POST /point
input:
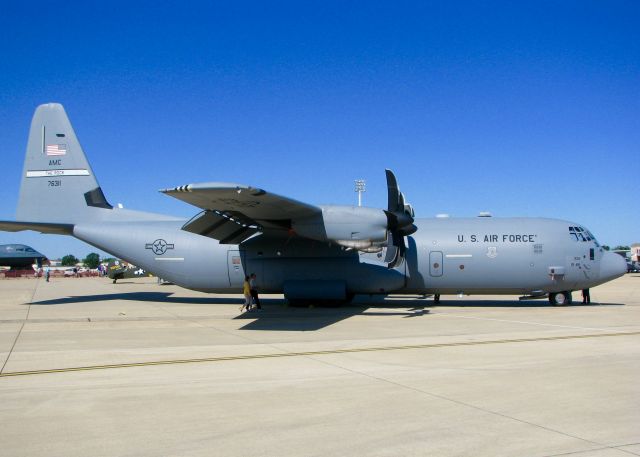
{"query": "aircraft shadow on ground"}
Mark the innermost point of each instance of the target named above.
(276, 316)
(164, 297)
(280, 318)
(299, 318)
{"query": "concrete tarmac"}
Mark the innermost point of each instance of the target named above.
(138, 369)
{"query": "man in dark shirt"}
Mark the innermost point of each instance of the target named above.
(254, 291)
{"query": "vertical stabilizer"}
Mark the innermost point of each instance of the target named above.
(58, 185)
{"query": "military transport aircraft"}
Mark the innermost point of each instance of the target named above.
(304, 251)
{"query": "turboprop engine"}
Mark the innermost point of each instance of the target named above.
(364, 229)
(349, 226)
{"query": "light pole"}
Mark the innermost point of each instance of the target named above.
(360, 187)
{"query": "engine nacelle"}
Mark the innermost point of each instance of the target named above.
(350, 226)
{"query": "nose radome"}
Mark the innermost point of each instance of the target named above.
(612, 266)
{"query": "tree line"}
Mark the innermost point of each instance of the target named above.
(91, 261)
(616, 248)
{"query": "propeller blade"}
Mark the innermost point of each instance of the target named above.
(409, 210)
(400, 217)
(391, 254)
(392, 191)
(408, 230)
(400, 249)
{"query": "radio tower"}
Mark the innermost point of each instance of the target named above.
(360, 188)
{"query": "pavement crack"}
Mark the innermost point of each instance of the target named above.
(616, 447)
(15, 341)
(465, 404)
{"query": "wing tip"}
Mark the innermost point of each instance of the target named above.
(173, 190)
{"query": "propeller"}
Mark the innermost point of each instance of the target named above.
(400, 218)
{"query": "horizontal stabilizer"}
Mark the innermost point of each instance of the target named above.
(42, 227)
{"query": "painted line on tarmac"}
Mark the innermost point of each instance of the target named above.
(312, 353)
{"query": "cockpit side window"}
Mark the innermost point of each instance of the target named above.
(573, 234)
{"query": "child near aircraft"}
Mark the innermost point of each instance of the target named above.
(246, 291)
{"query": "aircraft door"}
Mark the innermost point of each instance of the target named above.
(235, 268)
(589, 264)
(435, 263)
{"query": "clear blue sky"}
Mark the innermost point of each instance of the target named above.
(521, 109)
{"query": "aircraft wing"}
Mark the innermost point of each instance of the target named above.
(234, 212)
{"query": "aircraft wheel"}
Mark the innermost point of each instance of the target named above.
(560, 298)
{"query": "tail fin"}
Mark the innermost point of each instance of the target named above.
(58, 185)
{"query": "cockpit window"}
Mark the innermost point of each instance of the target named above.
(582, 234)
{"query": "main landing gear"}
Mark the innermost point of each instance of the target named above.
(560, 298)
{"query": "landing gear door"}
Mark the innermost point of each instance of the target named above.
(235, 268)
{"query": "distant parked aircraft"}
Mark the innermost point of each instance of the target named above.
(19, 256)
(117, 269)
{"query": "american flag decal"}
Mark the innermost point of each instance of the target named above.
(56, 149)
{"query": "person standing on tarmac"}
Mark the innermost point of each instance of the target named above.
(246, 291)
(254, 291)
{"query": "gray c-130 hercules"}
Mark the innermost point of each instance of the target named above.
(304, 251)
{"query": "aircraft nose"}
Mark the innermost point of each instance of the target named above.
(612, 266)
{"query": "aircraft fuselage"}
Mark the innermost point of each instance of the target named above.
(445, 256)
